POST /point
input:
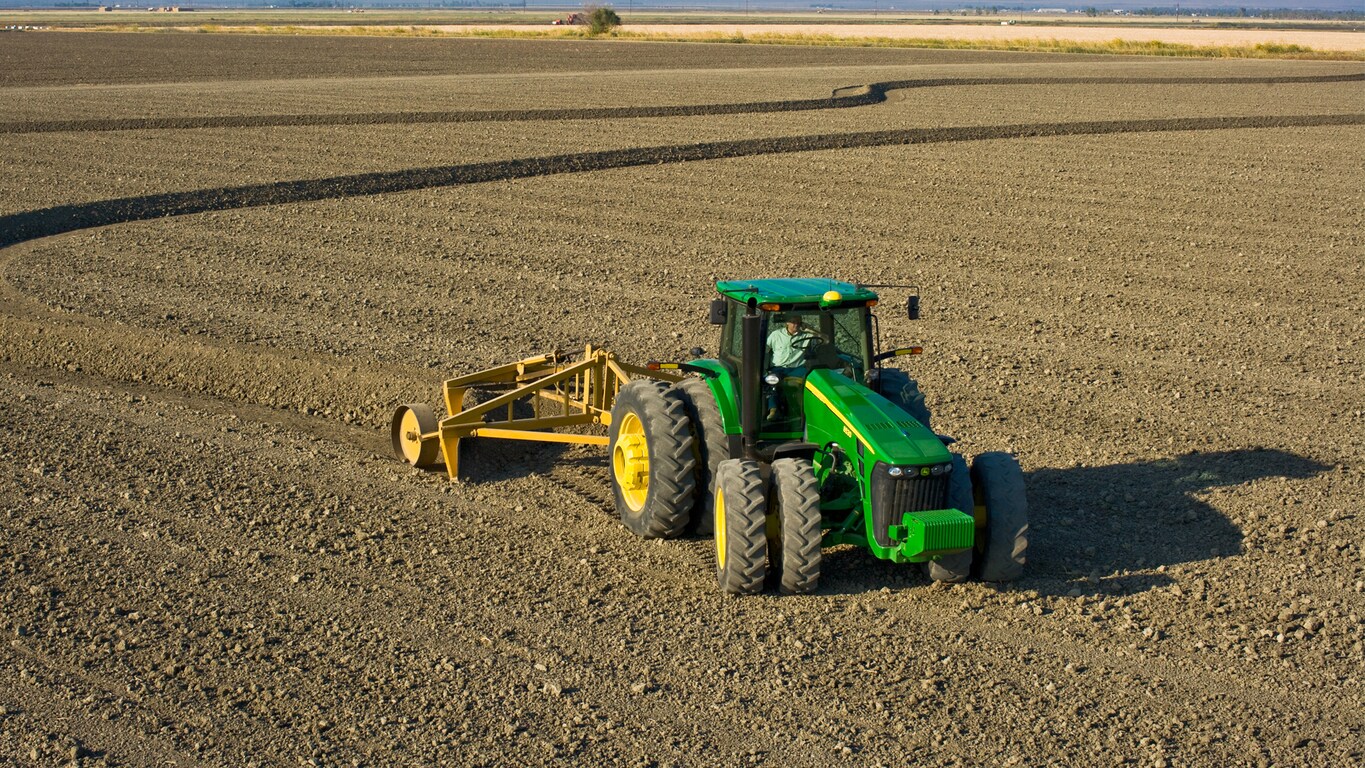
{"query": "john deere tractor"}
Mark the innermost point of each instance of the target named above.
(780, 458)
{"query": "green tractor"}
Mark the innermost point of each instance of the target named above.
(796, 437)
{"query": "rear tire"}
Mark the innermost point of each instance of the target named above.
(897, 386)
(711, 444)
(653, 469)
(794, 515)
(957, 567)
(741, 510)
(999, 485)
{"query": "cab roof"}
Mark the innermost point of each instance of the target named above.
(791, 290)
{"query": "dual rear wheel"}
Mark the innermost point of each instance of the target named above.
(767, 530)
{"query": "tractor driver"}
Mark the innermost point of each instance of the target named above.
(786, 354)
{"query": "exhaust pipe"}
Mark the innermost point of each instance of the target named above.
(750, 368)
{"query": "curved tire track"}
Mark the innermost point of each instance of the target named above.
(45, 222)
(842, 98)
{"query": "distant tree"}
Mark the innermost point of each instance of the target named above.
(602, 19)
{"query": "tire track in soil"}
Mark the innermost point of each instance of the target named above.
(46, 222)
(31, 225)
(842, 98)
(320, 597)
(985, 629)
(590, 484)
(586, 481)
(323, 598)
(586, 655)
(1096, 659)
(40, 702)
(989, 630)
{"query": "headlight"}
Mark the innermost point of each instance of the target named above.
(771, 379)
(928, 470)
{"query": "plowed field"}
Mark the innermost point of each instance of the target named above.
(1143, 277)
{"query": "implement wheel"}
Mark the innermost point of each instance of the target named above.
(712, 447)
(793, 527)
(957, 567)
(410, 423)
(741, 523)
(999, 485)
(652, 463)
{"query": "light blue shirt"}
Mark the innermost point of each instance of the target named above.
(782, 347)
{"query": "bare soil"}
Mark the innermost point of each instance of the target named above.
(94, 58)
(209, 558)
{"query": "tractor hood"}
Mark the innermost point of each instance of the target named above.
(839, 409)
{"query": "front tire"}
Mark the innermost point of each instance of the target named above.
(794, 516)
(999, 485)
(653, 468)
(897, 386)
(957, 567)
(741, 516)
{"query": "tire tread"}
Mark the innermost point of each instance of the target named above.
(797, 559)
(672, 465)
(746, 518)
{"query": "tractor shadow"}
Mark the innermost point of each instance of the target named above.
(1107, 530)
(1095, 531)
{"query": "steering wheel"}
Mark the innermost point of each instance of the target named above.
(823, 354)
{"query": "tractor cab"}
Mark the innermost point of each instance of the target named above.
(806, 325)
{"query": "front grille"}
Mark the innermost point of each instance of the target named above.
(892, 497)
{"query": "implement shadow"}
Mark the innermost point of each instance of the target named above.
(1089, 527)
(487, 460)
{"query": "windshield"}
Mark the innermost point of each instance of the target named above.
(833, 338)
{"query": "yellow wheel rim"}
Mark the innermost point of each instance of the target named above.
(719, 528)
(410, 434)
(630, 462)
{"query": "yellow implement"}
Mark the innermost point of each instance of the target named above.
(561, 393)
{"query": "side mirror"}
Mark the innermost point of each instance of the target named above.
(912, 307)
(697, 351)
(718, 312)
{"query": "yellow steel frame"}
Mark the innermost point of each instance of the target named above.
(562, 393)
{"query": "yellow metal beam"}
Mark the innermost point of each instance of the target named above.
(516, 394)
(544, 437)
(577, 394)
(546, 422)
(497, 374)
